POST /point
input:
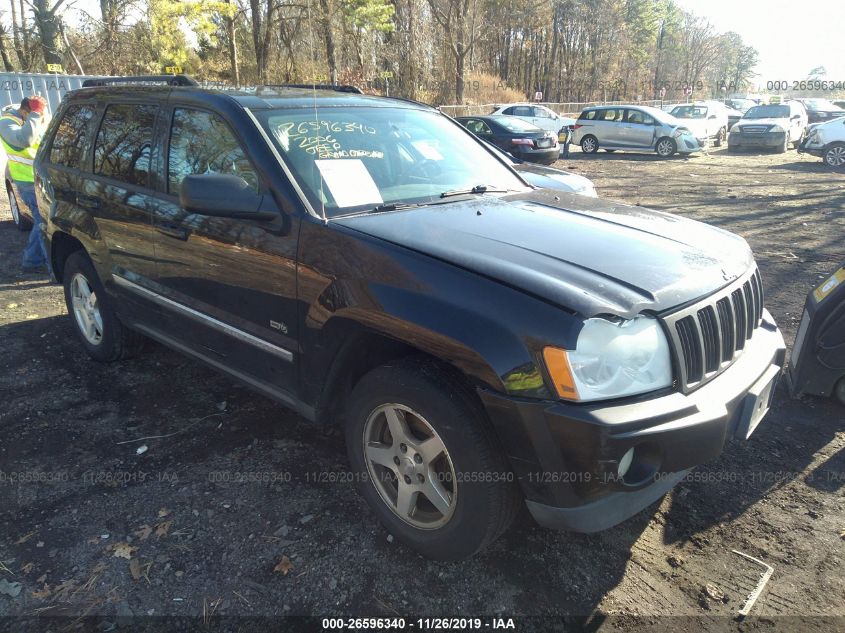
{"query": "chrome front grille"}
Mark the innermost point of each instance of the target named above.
(754, 129)
(709, 335)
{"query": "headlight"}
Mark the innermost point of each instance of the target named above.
(611, 360)
(776, 128)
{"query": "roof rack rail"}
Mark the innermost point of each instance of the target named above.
(170, 80)
(338, 87)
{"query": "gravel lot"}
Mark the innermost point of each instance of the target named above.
(239, 507)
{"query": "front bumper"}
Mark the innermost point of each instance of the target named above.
(812, 147)
(766, 140)
(566, 456)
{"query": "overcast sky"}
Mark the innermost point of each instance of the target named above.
(791, 37)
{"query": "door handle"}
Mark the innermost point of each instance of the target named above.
(172, 230)
(88, 202)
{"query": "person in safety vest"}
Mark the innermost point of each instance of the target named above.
(20, 132)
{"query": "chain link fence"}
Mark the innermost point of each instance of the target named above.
(570, 109)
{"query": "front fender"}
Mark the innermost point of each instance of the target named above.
(491, 332)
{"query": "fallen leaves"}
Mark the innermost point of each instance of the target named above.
(163, 528)
(25, 538)
(284, 566)
(163, 513)
(43, 593)
(143, 532)
(135, 569)
(123, 550)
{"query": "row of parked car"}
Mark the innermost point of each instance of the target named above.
(534, 133)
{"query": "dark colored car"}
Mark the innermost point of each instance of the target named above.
(512, 134)
(821, 110)
(371, 265)
(548, 177)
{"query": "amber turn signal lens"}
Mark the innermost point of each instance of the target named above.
(558, 365)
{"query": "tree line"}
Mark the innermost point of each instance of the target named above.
(568, 50)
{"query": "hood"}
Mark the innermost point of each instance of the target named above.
(784, 123)
(551, 178)
(698, 127)
(586, 255)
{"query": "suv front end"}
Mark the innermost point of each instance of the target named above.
(588, 465)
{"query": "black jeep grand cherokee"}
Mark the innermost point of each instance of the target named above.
(368, 263)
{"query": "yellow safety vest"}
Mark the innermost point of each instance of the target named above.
(20, 160)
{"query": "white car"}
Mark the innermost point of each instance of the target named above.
(771, 126)
(705, 119)
(828, 141)
(541, 116)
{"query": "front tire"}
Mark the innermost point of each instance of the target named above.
(785, 147)
(666, 147)
(426, 460)
(721, 135)
(21, 222)
(834, 156)
(589, 144)
(94, 320)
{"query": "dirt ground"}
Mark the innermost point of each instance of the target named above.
(239, 507)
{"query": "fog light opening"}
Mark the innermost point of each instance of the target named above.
(625, 463)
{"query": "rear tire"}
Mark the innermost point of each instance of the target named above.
(22, 223)
(91, 313)
(447, 501)
(589, 144)
(721, 135)
(834, 156)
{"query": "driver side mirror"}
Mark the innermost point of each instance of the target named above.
(225, 196)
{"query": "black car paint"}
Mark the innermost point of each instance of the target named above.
(482, 283)
(503, 138)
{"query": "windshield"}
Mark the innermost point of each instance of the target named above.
(767, 112)
(820, 104)
(353, 159)
(515, 124)
(689, 112)
(741, 104)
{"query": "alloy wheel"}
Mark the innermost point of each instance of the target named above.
(409, 466)
(86, 309)
(664, 148)
(835, 156)
(588, 145)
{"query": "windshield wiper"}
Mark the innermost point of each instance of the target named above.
(475, 189)
(393, 206)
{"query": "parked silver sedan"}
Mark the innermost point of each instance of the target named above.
(629, 127)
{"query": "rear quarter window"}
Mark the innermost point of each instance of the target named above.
(124, 143)
(73, 136)
(587, 115)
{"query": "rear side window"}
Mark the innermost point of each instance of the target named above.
(124, 143)
(612, 114)
(202, 143)
(70, 145)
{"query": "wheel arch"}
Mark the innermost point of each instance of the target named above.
(62, 246)
(363, 349)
